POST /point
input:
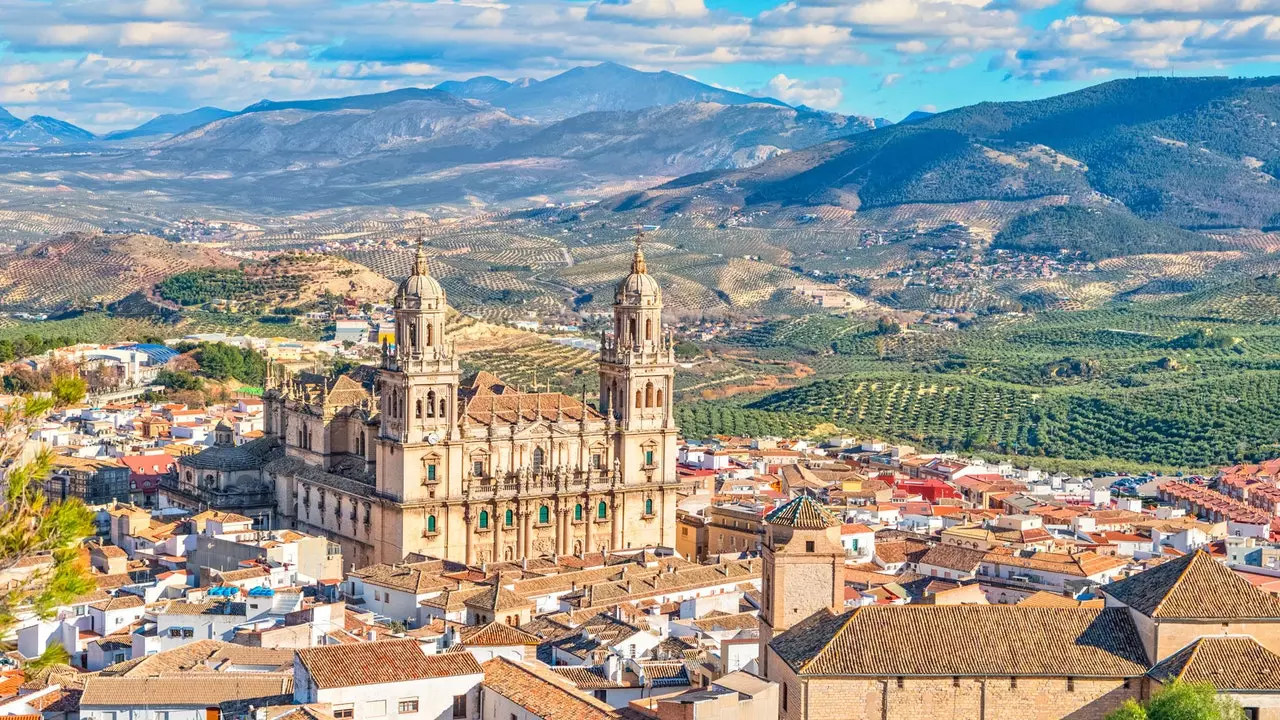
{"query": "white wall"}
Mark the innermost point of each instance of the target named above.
(434, 695)
(151, 712)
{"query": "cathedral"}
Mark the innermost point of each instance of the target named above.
(410, 457)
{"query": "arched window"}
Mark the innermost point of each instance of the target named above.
(431, 404)
(648, 506)
(544, 515)
(484, 519)
(648, 394)
(602, 510)
(658, 401)
(413, 335)
(631, 330)
(509, 519)
(417, 409)
(648, 328)
(639, 398)
(443, 408)
(577, 511)
(430, 334)
(431, 523)
(538, 458)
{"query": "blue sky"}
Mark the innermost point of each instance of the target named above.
(109, 64)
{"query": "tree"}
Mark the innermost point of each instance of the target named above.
(36, 532)
(69, 389)
(1182, 701)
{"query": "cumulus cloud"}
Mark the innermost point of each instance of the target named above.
(97, 61)
(648, 10)
(824, 93)
(889, 80)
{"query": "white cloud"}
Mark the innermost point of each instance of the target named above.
(648, 9)
(824, 93)
(889, 80)
(90, 60)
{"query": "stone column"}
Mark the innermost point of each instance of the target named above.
(586, 515)
(471, 535)
(562, 532)
(498, 519)
(527, 541)
(614, 509)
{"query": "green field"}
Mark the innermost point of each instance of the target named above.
(1163, 384)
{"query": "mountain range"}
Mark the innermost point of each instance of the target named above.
(576, 136)
(1198, 153)
(1189, 153)
(603, 87)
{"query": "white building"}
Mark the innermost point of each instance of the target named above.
(387, 679)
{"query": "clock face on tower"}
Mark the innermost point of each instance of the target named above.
(433, 438)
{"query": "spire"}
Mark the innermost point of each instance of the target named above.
(420, 260)
(637, 262)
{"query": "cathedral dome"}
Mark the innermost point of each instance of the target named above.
(639, 285)
(420, 284)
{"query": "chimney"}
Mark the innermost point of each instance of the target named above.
(524, 563)
(613, 668)
(371, 635)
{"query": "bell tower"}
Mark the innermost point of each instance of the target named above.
(637, 363)
(418, 388)
(802, 568)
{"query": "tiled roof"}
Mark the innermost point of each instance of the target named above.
(497, 634)
(739, 621)
(802, 513)
(509, 407)
(1230, 663)
(385, 661)
(453, 600)
(1081, 564)
(966, 640)
(201, 655)
(665, 673)
(587, 677)
(208, 607)
(119, 602)
(1044, 599)
(178, 691)
(416, 578)
(953, 557)
(899, 551)
(496, 599)
(542, 692)
(1193, 586)
(595, 635)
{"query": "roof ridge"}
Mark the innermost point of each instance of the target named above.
(1195, 648)
(1176, 583)
(827, 645)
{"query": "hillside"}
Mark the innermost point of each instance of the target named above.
(436, 148)
(80, 269)
(1096, 234)
(166, 125)
(1189, 152)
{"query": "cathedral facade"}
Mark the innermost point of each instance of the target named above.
(412, 458)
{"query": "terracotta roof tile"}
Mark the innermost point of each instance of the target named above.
(803, 513)
(542, 692)
(1230, 663)
(384, 661)
(497, 634)
(1193, 586)
(179, 691)
(967, 640)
